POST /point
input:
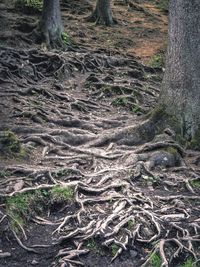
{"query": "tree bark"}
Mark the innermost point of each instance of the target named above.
(180, 95)
(102, 13)
(51, 23)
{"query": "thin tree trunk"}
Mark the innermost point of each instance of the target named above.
(180, 95)
(51, 24)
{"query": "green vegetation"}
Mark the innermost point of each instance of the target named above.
(65, 38)
(25, 205)
(157, 61)
(64, 172)
(130, 224)
(61, 194)
(163, 5)
(114, 249)
(120, 101)
(29, 6)
(155, 260)
(22, 206)
(93, 246)
(171, 150)
(10, 145)
(195, 184)
(188, 263)
(135, 108)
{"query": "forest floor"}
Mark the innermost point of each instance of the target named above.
(86, 178)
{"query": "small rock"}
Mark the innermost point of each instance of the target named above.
(133, 253)
(19, 185)
(34, 262)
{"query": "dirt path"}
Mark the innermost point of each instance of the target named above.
(128, 194)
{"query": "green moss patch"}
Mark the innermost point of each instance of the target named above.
(10, 145)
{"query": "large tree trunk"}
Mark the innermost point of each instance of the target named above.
(102, 13)
(51, 24)
(180, 95)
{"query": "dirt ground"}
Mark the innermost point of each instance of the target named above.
(81, 117)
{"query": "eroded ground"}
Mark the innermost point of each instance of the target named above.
(92, 184)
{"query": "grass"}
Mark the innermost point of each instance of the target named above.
(155, 260)
(135, 108)
(114, 249)
(22, 206)
(61, 194)
(157, 61)
(188, 263)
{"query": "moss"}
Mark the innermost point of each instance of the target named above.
(195, 184)
(10, 145)
(171, 150)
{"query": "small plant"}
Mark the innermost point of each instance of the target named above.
(195, 184)
(157, 61)
(130, 224)
(93, 246)
(155, 260)
(120, 101)
(65, 38)
(29, 6)
(188, 263)
(61, 194)
(114, 249)
(135, 108)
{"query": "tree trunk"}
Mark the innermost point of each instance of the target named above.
(180, 95)
(102, 13)
(51, 24)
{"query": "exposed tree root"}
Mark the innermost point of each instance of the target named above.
(131, 187)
